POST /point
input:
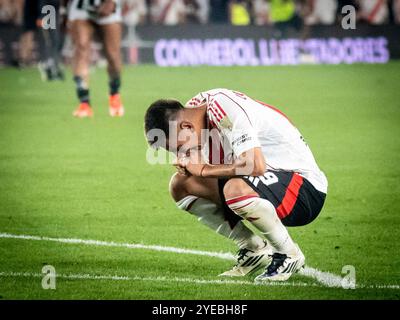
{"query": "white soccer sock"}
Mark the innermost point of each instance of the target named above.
(261, 213)
(212, 216)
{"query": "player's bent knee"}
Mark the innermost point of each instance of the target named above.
(239, 196)
(179, 193)
(237, 187)
(177, 186)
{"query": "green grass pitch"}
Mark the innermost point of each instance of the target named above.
(62, 177)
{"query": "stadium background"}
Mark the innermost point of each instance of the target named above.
(72, 181)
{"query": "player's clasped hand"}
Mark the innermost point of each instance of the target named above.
(189, 165)
(180, 166)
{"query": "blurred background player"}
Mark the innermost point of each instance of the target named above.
(26, 40)
(103, 17)
(49, 66)
(167, 12)
(240, 12)
(33, 16)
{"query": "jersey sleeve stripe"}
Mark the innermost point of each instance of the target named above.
(219, 107)
(217, 118)
(196, 101)
(212, 124)
(217, 112)
(212, 116)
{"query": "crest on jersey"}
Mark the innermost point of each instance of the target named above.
(225, 123)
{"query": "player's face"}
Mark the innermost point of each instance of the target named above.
(184, 139)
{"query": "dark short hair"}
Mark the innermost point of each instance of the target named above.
(159, 114)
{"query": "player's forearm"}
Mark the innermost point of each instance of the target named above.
(249, 163)
(231, 170)
(218, 170)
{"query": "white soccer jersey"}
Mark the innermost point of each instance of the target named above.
(243, 123)
(87, 10)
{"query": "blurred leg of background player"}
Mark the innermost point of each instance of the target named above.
(111, 36)
(103, 16)
(26, 45)
(81, 33)
(50, 65)
(201, 197)
(26, 40)
(33, 15)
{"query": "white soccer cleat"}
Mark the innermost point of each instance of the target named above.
(249, 261)
(282, 266)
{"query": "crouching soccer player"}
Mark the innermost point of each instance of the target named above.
(258, 168)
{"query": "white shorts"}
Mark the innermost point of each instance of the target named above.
(85, 10)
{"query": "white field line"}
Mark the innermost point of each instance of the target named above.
(156, 279)
(220, 255)
(180, 280)
(324, 278)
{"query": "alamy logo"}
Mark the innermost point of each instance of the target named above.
(49, 18)
(349, 280)
(49, 278)
(349, 20)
